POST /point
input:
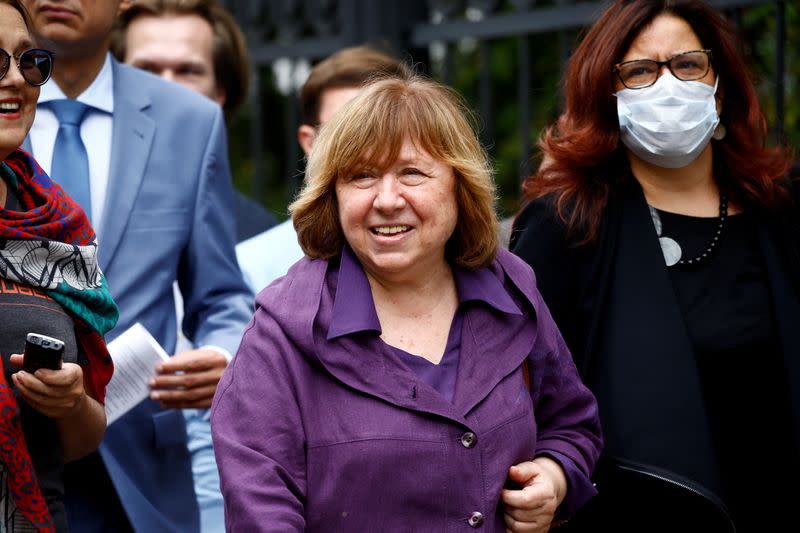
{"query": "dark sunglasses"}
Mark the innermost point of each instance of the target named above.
(35, 65)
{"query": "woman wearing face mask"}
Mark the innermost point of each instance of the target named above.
(664, 237)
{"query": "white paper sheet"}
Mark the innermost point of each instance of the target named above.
(135, 354)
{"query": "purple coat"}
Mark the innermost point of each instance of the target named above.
(321, 434)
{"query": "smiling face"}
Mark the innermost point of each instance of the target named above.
(177, 48)
(398, 220)
(17, 97)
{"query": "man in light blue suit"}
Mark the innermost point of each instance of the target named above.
(198, 44)
(161, 205)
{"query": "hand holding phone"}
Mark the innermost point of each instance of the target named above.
(42, 351)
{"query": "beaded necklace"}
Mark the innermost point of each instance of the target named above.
(672, 250)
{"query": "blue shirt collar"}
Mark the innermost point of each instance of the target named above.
(354, 309)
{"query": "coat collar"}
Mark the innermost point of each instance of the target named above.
(354, 309)
(302, 304)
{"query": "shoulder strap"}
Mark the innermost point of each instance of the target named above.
(526, 374)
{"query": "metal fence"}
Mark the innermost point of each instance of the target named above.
(286, 36)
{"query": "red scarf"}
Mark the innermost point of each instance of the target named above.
(50, 220)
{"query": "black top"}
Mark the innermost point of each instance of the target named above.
(24, 309)
(618, 306)
(726, 303)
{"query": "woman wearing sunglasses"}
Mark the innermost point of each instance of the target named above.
(50, 285)
(665, 240)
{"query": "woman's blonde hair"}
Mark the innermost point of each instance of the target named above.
(368, 132)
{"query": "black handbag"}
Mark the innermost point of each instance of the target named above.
(642, 499)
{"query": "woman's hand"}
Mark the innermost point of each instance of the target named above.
(54, 393)
(531, 509)
(61, 395)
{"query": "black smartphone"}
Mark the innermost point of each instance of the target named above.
(42, 351)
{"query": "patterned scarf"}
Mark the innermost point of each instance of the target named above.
(49, 245)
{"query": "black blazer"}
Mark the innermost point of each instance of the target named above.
(615, 306)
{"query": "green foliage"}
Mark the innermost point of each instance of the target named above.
(758, 31)
(275, 186)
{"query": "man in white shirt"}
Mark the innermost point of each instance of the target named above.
(161, 201)
(331, 84)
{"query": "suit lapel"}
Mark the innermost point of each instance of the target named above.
(132, 139)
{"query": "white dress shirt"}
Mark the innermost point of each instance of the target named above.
(95, 132)
(268, 255)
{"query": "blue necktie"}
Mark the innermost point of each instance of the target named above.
(70, 167)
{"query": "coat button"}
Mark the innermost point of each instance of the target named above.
(475, 520)
(469, 439)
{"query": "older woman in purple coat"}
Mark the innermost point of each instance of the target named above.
(406, 375)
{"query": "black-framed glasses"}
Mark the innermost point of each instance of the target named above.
(35, 65)
(641, 73)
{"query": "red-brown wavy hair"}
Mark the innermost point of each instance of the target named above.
(583, 158)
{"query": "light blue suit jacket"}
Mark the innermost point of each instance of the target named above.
(168, 216)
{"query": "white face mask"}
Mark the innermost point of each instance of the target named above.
(669, 123)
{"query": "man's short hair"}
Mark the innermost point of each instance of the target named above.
(229, 49)
(349, 67)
